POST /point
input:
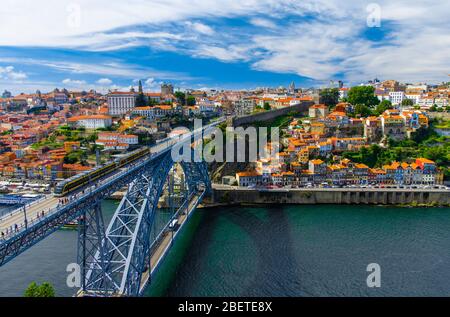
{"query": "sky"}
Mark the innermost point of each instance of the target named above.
(227, 44)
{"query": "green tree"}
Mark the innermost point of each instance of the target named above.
(181, 97)
(31, 290)
(46, 290)
(43, 290)
(362, 110)
(364, 95)
(191, 101)
(407, 103)
(382, 107)
(267, 106)
(329, 96)
(151, 102)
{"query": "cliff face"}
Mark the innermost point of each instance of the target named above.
(218, 170)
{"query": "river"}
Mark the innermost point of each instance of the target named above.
(318, 250)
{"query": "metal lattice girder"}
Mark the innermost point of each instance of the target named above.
(91, 248)
(23, 240)
(128, 237)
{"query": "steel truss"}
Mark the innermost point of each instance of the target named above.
(23, 240)
(115, 263)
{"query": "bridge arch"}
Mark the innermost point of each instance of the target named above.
(118, 260)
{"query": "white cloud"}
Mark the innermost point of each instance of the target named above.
(201, 28)
(231, 53)
(8, 73)
(50, 23)
(265, 23)
(74, 82)
(151, 83)
(112, 68)
(320, 48)
(104, 81)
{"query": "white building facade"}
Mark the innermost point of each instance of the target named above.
(119, 103)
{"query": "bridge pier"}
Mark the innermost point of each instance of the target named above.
(91, 248)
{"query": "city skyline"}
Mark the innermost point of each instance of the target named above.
(98, 45)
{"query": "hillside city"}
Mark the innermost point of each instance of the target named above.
(380, 133)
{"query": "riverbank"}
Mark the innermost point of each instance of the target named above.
(230, 195)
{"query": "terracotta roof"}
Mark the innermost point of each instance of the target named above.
(98, 116)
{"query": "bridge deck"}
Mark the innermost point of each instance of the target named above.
(17, 217)
(50, 203)
(165, 243)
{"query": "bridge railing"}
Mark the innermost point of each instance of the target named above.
(13, 230)
(31, 203)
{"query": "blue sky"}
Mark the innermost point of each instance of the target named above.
(84, 44)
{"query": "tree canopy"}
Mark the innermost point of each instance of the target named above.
(43, 290)
(364, 95)
(329, 96)
(407, 102)
(382, 107)
(191, 101)
(181, 97)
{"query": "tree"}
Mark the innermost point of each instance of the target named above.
(46, 290)
(364, 95)
(191, 101)
(181, 97)
(329, 96)
(43, 290)
(382, 107)
(362, 110)
(267, 106)
(31, 290)
(407, 103)
(140, 99)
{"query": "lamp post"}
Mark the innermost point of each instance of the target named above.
(25, 216)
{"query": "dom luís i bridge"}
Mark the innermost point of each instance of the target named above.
(117, 259)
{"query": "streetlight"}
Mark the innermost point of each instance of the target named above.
(25, 216)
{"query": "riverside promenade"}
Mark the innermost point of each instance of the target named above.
(223, 194)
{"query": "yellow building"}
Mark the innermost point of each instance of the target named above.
(71, 146)
(318, 128)
(303, 156)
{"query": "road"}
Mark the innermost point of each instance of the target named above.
(17, 217)
(165, 242)
(355, 189)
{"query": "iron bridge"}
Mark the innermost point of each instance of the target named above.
(118, 260)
